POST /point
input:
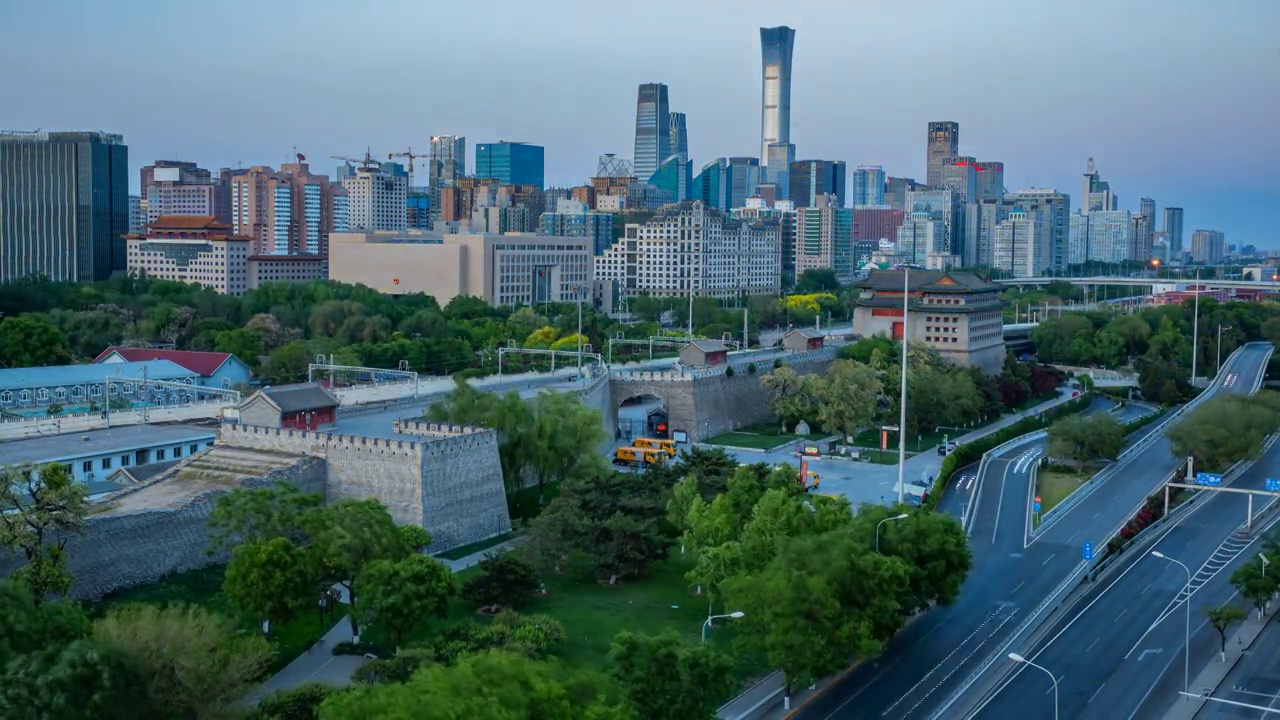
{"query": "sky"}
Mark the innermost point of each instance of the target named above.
(1177, 100)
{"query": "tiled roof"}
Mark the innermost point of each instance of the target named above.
(187, 222)
(204, 364)
(300, 397)
(107, 441)
(707, 346)
(930, 280)
(808, 332)
(68, 375)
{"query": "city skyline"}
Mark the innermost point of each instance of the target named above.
(1214, 112)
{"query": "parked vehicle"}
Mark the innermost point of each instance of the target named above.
(667, 446)
(639, 457)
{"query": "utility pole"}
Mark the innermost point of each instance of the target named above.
(745, 338)
(691, 308)
(902, 397)
(1195, 330)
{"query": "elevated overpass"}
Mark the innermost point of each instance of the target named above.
(1268, 285)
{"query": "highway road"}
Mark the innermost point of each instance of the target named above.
(935, 655)
(1254, 680)
(1113, 650)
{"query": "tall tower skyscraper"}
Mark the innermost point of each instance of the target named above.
(1096, 195)
(679, 134)
(944, 142)
(447, 163)
(776, 45)
(1173, 229)
(868, 185)
(653, 130)
(64, 205)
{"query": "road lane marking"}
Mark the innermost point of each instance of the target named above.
(1055, 687)
(1122, 612)
(1145, 589)
(1095, 693)
(1000, 505)
(1015, 590)
(1095, 642)
(1046, 560)
(1073, 535)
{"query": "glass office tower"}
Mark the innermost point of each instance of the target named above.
(511, 163)
(776, 46)
(653, 129)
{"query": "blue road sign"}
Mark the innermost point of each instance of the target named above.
(1208, 479)
(1273, 485)
(1036, 507)
(1088, 551)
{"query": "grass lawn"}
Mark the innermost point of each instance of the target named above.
(204, 588)
(593, 614)
(464, 550)
(749, 440)
(523, 503)
(1053, 486)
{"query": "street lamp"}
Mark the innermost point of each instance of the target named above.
(902, 395)
(1195, 330)
(1186, 665)
(1221, 327)
(1019, 659)
(903, 516)
(707, 625)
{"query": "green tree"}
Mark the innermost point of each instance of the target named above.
(1086, 438)
(1226, 429)
(847, 397)
(248, 515)
(505, 579)
(401, 594)
(194, 663)
(346, 537)
(30, 627)
(77, 681)
(272, 579)
(569, 343)
(1222, 618)
(287, 364)
(933, 546)
(564, 439)
(542, 337)
(666, 679)
(54, 410)
(817, 280)
(300, 703)
(1255, 585)
(494, 685)
(819, 602)
(791, 396)
(244, 344)
(415, 537)
(39, 510)
(27, 341)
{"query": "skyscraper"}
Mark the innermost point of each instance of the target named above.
(679, 133)
(287, 212)
(868, 185)
(776, 45)
(376, 200)
(981, 219)
(960, 175)
(1052, 210)
(811, 179)
(1208, 246)
(743, 176)
(1096, 195)
(1173, 229)
(896, 189)
(181, 188)
(511, 163)
(943, 142)
(1110, 236)
(1147, 208)
(777, 170)
(674, 175)
(824, 238)
(990, 179)
(653, 129)
(943, 207)
(1014, 247)
(447, 162)
(711, 184)
(64, 205)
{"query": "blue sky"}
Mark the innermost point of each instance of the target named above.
(1175, 99)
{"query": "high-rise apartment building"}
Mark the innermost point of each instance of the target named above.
(1147, 209)
(512, 163)
(777, 170)
(811, 179)
(574, 219)
(1052, 210)
(943, 142)
(784, 212)
(690, 248)
(289, 212)
(1106, 235)
(990, 179)
(776, 45)
(446, 162)
(868, 185)
(1208, 246)
(653, 129)
(1173, 230)
(64, 205)
(1140, 238)
(1077, 252)
(1016, 247)
(417, 208)
(824, 238)
(679, 133)
(137, 214)
(896, 189)
(172, 187)
(981, 219)
(376, 200)
(918, 235)
(1096, 195)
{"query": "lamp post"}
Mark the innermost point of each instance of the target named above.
(902, 395)
(903, 516)
(1186, 665)
(1019, 659)
(1221, 327)
(1195, 330)
(707, 624)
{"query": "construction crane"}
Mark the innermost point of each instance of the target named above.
(365, 163)
(410, 156)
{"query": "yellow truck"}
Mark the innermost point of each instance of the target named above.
(667, 446)
(639, 457)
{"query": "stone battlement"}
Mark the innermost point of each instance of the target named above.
(306, 441)
(434, 430)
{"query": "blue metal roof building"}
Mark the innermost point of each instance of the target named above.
(78, 385)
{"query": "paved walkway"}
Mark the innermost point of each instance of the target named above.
(1216, 671)
(764, 700)
(319, 664)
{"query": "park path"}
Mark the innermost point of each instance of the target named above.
(319, 664)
